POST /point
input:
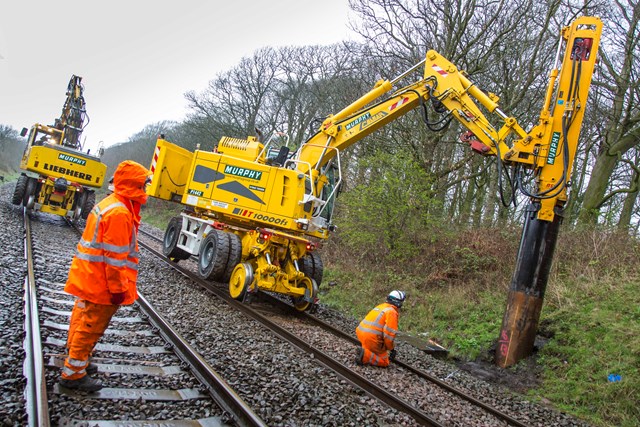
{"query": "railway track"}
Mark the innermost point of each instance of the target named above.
(160, 367)
(301, 374)
(281, 324)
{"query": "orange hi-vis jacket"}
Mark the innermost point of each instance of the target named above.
(377, 331)
(107, 255)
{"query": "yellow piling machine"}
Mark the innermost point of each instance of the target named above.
(255, 212)
(59, 178)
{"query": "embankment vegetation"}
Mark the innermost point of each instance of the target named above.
(419, 211)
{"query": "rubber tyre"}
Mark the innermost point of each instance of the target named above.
(312, 266)
(19, 190)
(235, 255)
(87, 204)
(213, 256)
(241, 279)
(170, 241)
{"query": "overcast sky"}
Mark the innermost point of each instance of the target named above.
(137, 58)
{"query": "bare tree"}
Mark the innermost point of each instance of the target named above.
(618, 87)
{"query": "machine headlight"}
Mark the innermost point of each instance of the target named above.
(60, 185)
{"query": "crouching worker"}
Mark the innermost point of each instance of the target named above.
(377, 332)
(104, 271)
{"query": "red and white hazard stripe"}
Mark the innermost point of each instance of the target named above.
(403, 101)
(156, 155)
(439, 70)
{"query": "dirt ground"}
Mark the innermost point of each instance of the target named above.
(527, 374)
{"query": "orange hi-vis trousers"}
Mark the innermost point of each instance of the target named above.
(375, 353)
(87, 325)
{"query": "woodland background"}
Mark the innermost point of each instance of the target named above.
(421, 212)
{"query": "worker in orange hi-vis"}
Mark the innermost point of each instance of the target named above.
(377, 332)
(104, 271)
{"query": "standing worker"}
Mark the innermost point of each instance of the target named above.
(104, 271)
(377, 332)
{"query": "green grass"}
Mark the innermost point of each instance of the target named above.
(158, 213)
(595, 327)
(597, 333)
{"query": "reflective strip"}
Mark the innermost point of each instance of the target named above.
(374, 324)
(109, 261)
(372, 358)
(132, 265)
(101, 258)
(81, 303)
(76, 362)
(99, 214)
(369, 330)
(104, 246)
(389, 331)
(69, 372)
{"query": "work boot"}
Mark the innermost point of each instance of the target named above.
(91, 369)
(85, 383)
(359, 356)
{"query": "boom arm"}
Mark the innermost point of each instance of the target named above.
(449, 89)
(71, 120)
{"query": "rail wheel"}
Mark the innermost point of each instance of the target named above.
(18, 191)
(214, 254)
(312, 266)
(305, 302)
(29, 199)
(170, 241)
(241, 279)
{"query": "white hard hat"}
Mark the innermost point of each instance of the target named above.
(396, 298)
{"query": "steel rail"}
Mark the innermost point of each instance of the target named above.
(218, 388)
(346, 373)
(333, 330)
(422, 374)
(221, 392)
(33, 367)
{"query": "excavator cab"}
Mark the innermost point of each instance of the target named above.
(276, 150)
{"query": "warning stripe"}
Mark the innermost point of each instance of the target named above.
(156, 155)
(403, 101)
(439, 70)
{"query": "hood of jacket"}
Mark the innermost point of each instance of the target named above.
(129, 181)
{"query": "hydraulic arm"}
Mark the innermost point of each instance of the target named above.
(548, 150)
(273, 204)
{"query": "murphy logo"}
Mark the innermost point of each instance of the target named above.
(553, 149)
(195, 193)
(357, 121)
(68, 158)
(242, 172)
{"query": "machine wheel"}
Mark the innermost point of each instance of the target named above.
(311, 265)
(235, 255)
(311, 292)
(214, 253)
(87, 204)
(241, 279)
(170, 241)
(18, 192)
(28, 201)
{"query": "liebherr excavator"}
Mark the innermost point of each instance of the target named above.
(254, 214)
(59, 178)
